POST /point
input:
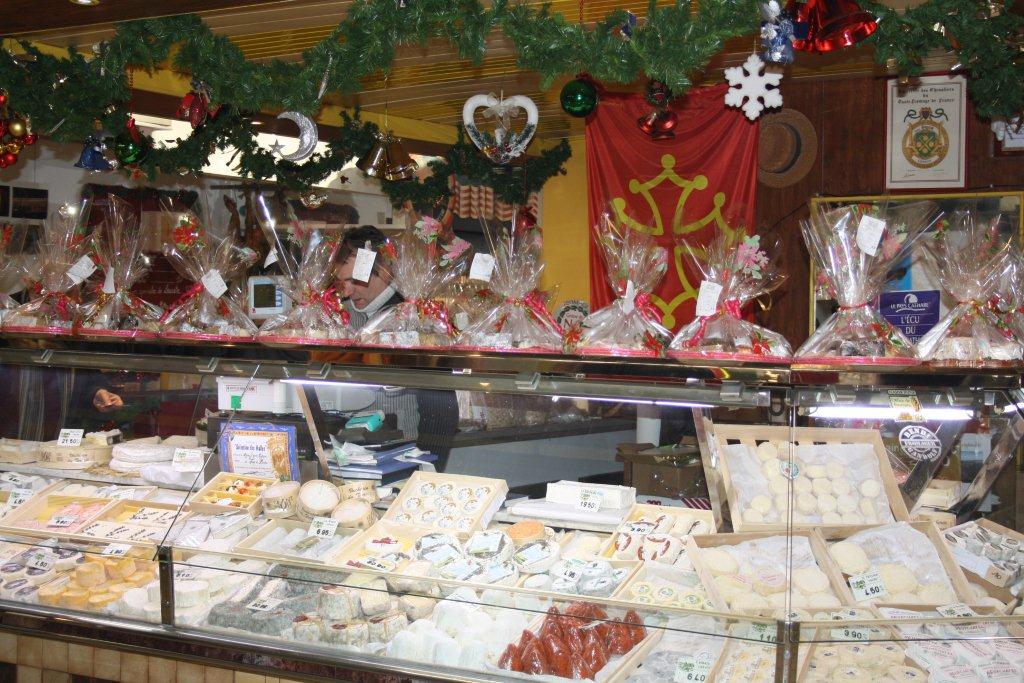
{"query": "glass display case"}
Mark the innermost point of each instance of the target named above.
(465, 516)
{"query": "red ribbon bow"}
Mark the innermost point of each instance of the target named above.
(649, 312)
(190, 293)
(433, 308)
(534, 303)
(330, 302)
(730, 307)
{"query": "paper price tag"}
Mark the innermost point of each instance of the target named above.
(485, 543)
(572, 571)
(184, 574)
(122, 494)
(187, 460)
(41, 561)
(62, 521)
(70, 437)
(271, 258)
(851, 633)
(639, 528)
(214, 283)
(629, 298)
(693, 668)
(264, 604)
(589, 500)
(763, 632)
(707, 298)
(116, 549)
(869, 234)
(482, 267)
(956, 609)
(81, 270)
(867, 586)
(12, 477)
(363, 267)
(108, 282)
(375, 564)
(322, 527)
(19, 497)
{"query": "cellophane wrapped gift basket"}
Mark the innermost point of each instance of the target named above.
(735, 268)
(54, 286)
(422, 262)
(206, 310)
(970, 258)
(317, 315)
(855, 246)
(13, 273)
(520, 320)
(631, 325)
(112, 310)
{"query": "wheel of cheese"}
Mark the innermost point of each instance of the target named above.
(897, 579)
(935, 594)
(354, 513)
(779, 486)
(318, 497)
(802, 485)
(869, 488)
(752, 516)
(852, 518)
(75, 599)
(766, 450)
(748, 603)
(841, 487)
(820, 486)
(718, 562)
(850, 557)
(867, 507)
(826, 502)
(760, 503)
(845, 503)
(771, 467)
(524, 532)
(809, 580)
(806, 503)
(835, 469)
(279, 499)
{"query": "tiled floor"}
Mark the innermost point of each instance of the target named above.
(22, 660)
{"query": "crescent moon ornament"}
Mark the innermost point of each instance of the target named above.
(308, 137)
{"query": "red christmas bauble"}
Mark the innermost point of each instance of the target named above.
(3, 98)
(30, 139)
(525, 220)
(9, 158)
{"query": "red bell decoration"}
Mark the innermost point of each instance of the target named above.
(525, 221)
(660, 124)
(827, 25)
(195, 106)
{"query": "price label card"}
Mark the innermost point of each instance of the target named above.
(485, 543)
(41, 561)
(13, 477)
(187, 460)
(869, 234)
(70, 437)
(707, 298)
(363, 267)
(116, 549)
(214, 283)
(108, 282)
(322, 527)
(122, 494)
(572, 570)
(589, 500)
(374, 563)
(693, 668)
(641, 528)
(482, 267)
(907, 405)
(867, 586)
(956, 609)
(62, 521)
(19, 497)
(271, 258)
(81, 270)
(184, 573)
(763, 632)
(264, 604)
(851, 633)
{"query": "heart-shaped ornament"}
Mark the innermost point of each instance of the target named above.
(504, 144)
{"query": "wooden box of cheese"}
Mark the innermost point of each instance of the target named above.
(18, 451)
(643, 511)
(953, 571)
(455, 504)
(130, 521)
(566, 541)
(758, 665)
(216, 498)
(247, 546)
(751, 436)
(980, 570)
(74, 457)
(38, 517)
(698, 544)
(402, 539)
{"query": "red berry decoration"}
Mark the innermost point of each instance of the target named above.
(10, 158)
(15, 132)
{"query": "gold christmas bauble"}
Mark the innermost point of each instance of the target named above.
(17, 127)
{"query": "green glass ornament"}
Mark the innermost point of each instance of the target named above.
(131, 146)
(578, 98)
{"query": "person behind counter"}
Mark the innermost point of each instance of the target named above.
(438, 410)
(37, 402)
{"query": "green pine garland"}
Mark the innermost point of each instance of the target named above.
(64, 96)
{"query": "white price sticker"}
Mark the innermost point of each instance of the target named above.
(363, 267)
(869, 234)
(629, 298)
(765, 633)
(693, 668)
(589, 500)
(707, 298)
(639, 528)
(851, 633)
(122, 494)
(18, 497)
(187, 460)
(108, 282)
(62, 521)
(184, 574)
(41, 561)
(271, 258)
(375, 564)
(12, 477)
(482, 267)
(116, 549)
(264, 604)
(81, 270)
(322, 527)
(572, 570)
(868, 586)
(70, 437)
(214, 283)
(956, 609)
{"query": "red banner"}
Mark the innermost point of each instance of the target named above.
(702, 181)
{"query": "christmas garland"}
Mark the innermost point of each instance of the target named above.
(64, 96)
(510, 184)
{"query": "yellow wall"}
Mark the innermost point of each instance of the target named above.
(566, 229)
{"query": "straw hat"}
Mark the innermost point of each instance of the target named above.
(787, 148)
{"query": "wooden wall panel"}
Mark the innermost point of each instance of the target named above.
(849, 115)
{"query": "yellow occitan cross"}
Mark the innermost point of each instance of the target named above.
(687, 187)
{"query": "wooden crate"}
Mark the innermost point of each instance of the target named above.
(818, 549)
(981, 571)
(751, 435)
(352, 553)
(642, 510)
(247, 547)
(953, 572)
(245, 503)
(42, 507)
(640, 654)
(141, 522)
(480, 518)
(648, 570)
